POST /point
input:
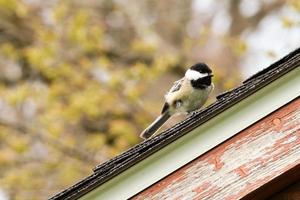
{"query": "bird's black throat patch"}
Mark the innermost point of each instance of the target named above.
(201, 83)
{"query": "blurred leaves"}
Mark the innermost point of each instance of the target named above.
(295, 4)
(80, 80)
(288, 22)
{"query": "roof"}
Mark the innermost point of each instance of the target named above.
(120, 163)
(265, 153)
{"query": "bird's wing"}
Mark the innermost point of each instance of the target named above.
(176, 86)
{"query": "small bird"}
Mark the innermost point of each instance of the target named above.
(185, 96)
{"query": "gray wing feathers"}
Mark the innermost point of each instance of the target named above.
(176, 86)
(148, 132)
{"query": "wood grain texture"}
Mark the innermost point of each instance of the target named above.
(241, 165)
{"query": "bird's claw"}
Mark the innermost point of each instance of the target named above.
(191, 113)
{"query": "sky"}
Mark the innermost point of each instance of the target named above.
(271, 37)
(270, 42)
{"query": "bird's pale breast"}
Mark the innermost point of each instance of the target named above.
(191, 98)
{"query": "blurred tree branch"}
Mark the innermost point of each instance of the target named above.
(240, 22)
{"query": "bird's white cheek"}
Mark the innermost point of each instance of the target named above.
(194, 75)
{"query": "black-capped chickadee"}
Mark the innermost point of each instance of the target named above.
(186, 95)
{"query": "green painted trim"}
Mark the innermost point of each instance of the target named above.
(200, 140)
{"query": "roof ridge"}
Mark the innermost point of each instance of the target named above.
(270, 67)
(263, 71)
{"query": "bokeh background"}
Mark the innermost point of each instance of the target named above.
(79, 80)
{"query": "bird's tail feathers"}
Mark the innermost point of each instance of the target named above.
(152, 128)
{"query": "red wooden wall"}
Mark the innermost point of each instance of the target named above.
(240, 166)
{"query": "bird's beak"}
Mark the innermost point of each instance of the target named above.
(210, 75)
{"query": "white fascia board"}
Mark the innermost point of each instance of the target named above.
(200, 140)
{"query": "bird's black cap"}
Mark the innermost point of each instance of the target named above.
(201, 67)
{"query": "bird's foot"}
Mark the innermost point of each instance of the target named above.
(194, 112)
(191, 113)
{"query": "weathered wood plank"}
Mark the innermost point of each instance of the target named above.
(239, 166)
